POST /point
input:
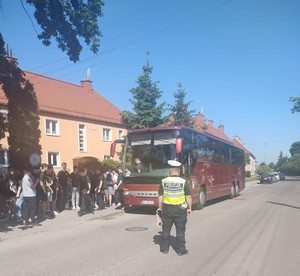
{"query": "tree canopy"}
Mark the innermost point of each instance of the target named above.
(147, 111)
(295, 148)
(67, 21)
(180, 112)
(23, 119)
(290, 165)
(296, 101)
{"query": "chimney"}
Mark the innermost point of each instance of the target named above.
(237, 138)
(199, 120)
(87, 85)
(210, 124)
(221, 128)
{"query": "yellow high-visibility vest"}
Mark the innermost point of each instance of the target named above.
(173, 190)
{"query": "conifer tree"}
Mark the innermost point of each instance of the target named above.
(180, 112)
(147, 112)
(23, 118)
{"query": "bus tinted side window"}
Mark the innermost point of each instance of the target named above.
(237, 156)
(203, 148)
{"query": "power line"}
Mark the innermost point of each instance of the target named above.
(123, 34)
(273, 142)
(143, 38)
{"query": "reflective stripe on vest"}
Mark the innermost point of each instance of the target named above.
(173, 190)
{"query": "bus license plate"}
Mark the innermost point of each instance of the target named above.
(147, 202)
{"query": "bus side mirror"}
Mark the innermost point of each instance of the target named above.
(113, 147)
(179, 145)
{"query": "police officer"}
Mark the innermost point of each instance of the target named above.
(175, 201)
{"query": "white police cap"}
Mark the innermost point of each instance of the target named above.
(174, 163)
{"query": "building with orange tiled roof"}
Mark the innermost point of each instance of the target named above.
(251, 167)
(219, 132)
(77, 124)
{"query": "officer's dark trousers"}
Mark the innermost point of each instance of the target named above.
(173, 214)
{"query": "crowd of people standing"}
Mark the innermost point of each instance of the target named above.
(43, 195)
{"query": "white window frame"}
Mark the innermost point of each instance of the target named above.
(120, 134)
(82, 135)
(50, 132)
(106, 157)
(105, 136)
(50, 160)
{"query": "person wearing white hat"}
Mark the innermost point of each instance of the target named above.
(175, 203)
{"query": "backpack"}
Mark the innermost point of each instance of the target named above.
(108, 177)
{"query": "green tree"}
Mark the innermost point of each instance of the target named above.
(296, 101)
(247, 158)
(295, 148)
(281, 160)
(263, 168)
(147, 112)
(69, 21)
(23, 119)
(272, 165)
(292, 166)
(180, 111)
(109, 164)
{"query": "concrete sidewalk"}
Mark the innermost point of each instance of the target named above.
(68, 218)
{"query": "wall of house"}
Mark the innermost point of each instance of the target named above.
(251, 167)
(64, 140)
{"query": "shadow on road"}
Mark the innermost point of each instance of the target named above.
(145, 210)
(173, 244)
(283, 204)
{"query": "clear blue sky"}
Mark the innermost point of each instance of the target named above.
(238, 59)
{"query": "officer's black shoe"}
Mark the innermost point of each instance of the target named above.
(165, 251)
(181, 253)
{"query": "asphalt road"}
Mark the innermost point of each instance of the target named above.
(256, 233)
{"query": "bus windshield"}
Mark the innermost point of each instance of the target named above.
(151, 151)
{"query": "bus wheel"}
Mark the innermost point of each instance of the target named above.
(232, 191)
(202, 198)
(127, 209)
(237, 190)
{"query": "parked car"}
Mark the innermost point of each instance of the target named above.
(281, 176)
(276, 176)
(267, 178)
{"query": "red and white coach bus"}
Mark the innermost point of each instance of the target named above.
(212, 166)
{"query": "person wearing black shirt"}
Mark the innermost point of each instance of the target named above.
(75, 183)
(85, 190)
(63, 184)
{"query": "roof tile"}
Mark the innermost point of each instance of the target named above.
(69, 99)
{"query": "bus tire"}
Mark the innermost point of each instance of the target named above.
(232, 191)
(202, 199)
(127, 209)
(237, 189)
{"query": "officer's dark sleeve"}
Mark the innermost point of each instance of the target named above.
(187, 190)
(160, 190)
